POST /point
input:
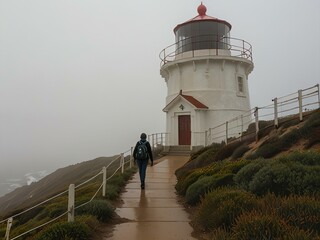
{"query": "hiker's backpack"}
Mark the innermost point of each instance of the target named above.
(142, 151)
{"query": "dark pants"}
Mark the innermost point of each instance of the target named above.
(142, 165)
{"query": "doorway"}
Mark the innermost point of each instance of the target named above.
(184, 128)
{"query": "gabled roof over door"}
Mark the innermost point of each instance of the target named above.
(194, 102)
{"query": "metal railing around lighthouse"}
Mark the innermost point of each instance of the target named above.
(212, 43)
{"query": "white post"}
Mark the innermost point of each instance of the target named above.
(227, 133)
(300, 105)
(104, 181)
(122, 162)
(256, 114)
(71, 199)
(162, 143)
(131, 157)
(152, 148)
(276, 121)
(318, 94)
(9, 224)
(241, 128)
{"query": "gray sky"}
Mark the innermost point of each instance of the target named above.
(80, 79)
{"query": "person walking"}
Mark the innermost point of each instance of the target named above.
(142, 153)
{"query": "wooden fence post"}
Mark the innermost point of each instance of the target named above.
(122, 162)
(131, 157)
(71, 199)
(104, 181)
(9, 224)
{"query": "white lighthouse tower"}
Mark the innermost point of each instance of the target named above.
(206, 72)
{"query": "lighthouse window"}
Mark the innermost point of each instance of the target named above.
(240, 84)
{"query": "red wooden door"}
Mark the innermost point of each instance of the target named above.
(184, 130)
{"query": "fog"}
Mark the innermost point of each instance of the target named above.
(80, 79)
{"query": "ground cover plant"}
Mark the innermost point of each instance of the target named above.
(257, 197)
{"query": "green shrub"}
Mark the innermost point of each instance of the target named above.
(240, 151)
(278, 144)
(220, 234)
(286, 178)
(301, 211)
(255, 225)
(232, 166)
(198, 189)
(221, 206)
(183, 185)
(112, 192)
(227, 150)
(117, 180)
(65, 231)
(299, 234)
(91, 221)
(245, 175)
(99, 208)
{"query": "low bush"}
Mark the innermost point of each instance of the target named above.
(198, 189)
(112, 192)
(255, 225)
(219, 234)
(240, 151)
(302, 212)
(277, 144)
(286, 178)
(221, 207)
(245, 175)
(65, 231)
(227, 150)
(183, 184)
(101, 209)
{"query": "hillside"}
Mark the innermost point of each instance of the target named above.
(50, 185)
(265, 188)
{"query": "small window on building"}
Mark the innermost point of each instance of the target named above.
(240, 85)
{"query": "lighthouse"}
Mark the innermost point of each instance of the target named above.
(206, 72)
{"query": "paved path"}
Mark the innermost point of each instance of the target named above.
(154, 213)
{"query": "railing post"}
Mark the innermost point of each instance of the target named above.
(276, 120)
(161, 136)
(226, 132)
(152, 148)
(241, 127)
(122, 162)
(256, 115)
(71, 199)
(206, 138)
(131, 157)
(300, 105)
(104, 181)
(318, 94)
(9, 224)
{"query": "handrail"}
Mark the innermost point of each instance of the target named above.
(60, 194)
(310, 95)
(237, 47)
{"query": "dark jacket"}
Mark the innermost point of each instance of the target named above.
(148, 147)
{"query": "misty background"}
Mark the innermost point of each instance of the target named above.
(79, 79)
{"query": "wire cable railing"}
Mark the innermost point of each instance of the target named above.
(282, 107)
(122, 159)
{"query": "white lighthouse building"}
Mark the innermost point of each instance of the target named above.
(206, 72)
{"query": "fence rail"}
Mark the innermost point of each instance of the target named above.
(116, 165)
(294, 104)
